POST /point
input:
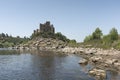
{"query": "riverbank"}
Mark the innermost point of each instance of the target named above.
(102, 60)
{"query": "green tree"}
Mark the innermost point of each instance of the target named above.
(113, 34)
(97, 34)
(88, 38)
(3, 35)
(18, 36)
(7, 35)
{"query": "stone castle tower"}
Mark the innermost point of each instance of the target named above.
(45, 28)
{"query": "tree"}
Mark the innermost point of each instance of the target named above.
(88, 38)
(7, 35)
(113, 34)
(18, 36)
(97, 34)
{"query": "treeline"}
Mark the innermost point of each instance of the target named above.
(97, 39)
(10, 41)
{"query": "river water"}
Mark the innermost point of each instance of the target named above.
(15, 65)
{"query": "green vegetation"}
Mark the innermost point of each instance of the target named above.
(57, 35)
(60, 36)
(9, 41)
(96, 35)
(88, 38)
(44, 35)
(97, 39)
(113, 34)
(72, 43)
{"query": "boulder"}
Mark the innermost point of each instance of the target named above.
(90, 52)
(83, 61)
(96, 59)
(48, 43)
(115, 60)
(117, 65)
(98, 73)
(111, 61)
(81, 50)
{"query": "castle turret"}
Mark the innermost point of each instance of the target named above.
(47, 23)
(47, 27)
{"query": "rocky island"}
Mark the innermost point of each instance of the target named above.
(45, 38)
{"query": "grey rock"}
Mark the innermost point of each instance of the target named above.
(98, 73)
(83, 61)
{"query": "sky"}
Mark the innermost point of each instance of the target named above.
(74, 18)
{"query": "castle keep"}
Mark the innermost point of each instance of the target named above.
(45, 28)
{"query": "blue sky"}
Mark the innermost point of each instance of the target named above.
(74, 18)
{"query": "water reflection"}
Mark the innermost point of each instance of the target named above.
(84, 67)
(9, 52)
(45, 65)
(48, 68)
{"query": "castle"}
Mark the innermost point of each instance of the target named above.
(45, 28)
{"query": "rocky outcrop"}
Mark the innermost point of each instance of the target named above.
(44, 44)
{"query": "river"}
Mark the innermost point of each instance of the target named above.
(16, 65)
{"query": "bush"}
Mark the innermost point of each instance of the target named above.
(88, 38)
(113, 34)
(60, 36)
